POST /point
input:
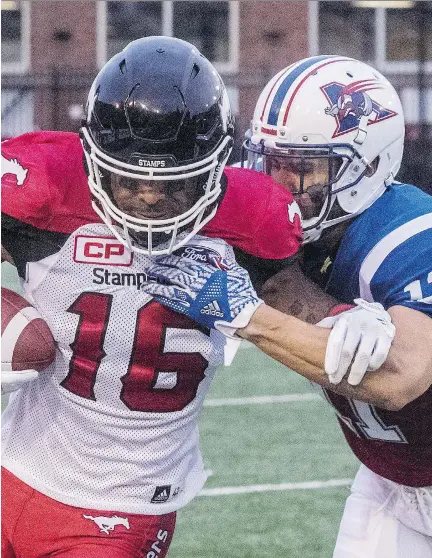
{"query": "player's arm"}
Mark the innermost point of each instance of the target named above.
(22, 243)
(187, 287)
(14, 380)
(359, 339)
(263, 272)
(5, 256)
(291, 292)
(405, 375)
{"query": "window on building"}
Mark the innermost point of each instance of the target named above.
(346, 30)
(14, 35)
(205, 25)
(377, 32)
(211, 26)
(127, 21)
(409, 33)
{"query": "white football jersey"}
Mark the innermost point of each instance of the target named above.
(112, 423)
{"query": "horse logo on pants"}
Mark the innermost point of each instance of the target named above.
(107, 524)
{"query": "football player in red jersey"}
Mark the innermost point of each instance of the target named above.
(101, 450)
(331, 130)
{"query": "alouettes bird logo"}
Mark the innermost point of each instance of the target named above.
(349, 103)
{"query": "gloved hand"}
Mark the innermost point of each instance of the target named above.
(12, 380)
(360, 338)
(224, 300)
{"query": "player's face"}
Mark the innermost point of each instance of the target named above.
(306, 177)
(153, 199)
(287, 172)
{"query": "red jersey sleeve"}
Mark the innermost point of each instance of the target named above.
(255, 216)
(44, 183)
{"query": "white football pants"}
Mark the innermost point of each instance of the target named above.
(383, 519)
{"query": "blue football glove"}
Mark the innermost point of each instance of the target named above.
(214, 298)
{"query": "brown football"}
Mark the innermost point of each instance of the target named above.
(26, 339)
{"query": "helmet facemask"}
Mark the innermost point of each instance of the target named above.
(315, 175)
(157, 113)
(155, 236)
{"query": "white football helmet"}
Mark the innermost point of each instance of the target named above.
(337, 126)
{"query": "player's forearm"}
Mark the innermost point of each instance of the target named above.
(5, 256)
(302, 347)
(410, 356)
(291, 292)
(288, 340)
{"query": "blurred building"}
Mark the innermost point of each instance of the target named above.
(52, 49)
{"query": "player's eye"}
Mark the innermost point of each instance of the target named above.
(278, 165)
(308, 166)
(275, 165)
(175, 186)
(188, 185)
(128, 183)
(297, 166)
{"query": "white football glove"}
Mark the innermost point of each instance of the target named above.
(12, 380)
(360, 338)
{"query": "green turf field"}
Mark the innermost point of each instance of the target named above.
(270, 463)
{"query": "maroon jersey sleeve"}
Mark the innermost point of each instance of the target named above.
(254, 216)
(44, 183)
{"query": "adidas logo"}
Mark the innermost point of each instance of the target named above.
(162, 493)
(212, 309)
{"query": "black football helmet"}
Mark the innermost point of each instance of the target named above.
(158, 110)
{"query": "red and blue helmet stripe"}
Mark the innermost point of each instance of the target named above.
(285, 82)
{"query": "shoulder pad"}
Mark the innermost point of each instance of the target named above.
(257, 215)
(44, 183)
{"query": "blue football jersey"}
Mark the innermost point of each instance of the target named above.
(386, 253)
(386, 256)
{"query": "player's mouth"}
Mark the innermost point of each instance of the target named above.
(158, 215)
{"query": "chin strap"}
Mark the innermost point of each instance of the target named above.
(389, 179)
(362, 132)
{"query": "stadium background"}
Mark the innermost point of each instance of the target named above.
(279, 467)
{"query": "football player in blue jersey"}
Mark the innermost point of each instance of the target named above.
(331, 130)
